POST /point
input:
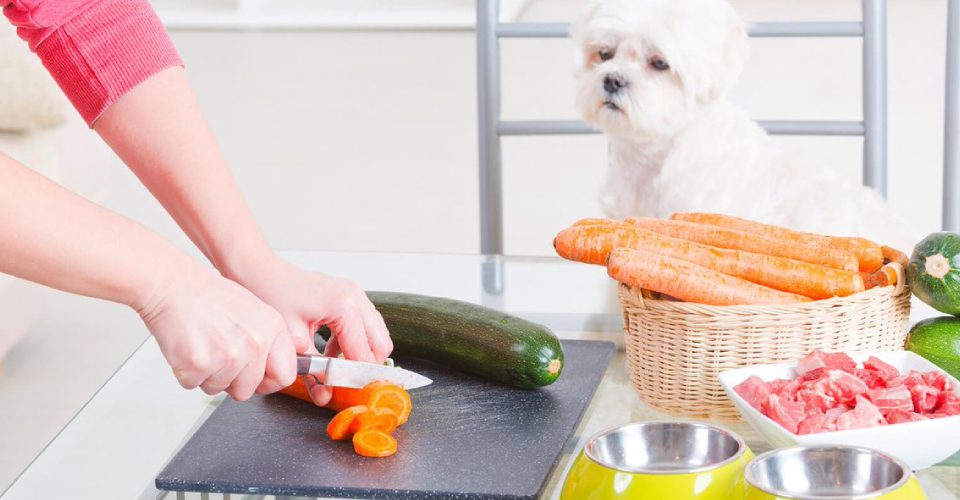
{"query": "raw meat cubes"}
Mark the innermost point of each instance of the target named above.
(831, 393)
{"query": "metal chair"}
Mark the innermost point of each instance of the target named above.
(873, 127)
(951, 139)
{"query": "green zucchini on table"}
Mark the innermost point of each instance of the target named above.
(938, 340)
(934, 272)
(470, 338)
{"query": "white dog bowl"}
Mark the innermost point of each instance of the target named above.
(919, 444)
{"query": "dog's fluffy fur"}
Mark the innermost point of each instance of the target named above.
(653, 75)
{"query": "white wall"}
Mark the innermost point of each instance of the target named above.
(367, 141)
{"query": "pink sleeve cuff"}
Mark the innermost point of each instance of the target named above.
(103, 51)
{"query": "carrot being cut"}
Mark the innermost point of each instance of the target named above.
(374, 395)
(374, 444)
(689, 282)
(593, 244)
(740, 240)
(868, 254)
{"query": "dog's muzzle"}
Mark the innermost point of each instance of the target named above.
(613, 82)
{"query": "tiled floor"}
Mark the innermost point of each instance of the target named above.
(367, 141)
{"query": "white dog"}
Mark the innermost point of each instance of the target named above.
(653, 74)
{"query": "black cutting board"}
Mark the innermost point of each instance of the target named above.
(467, 438)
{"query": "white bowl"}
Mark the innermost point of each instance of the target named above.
(920, 444)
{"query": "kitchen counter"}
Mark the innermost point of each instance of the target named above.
(124, 435)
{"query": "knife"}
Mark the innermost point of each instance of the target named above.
(339, 372)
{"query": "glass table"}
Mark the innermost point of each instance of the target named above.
(124, 435)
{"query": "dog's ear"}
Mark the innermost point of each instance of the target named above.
(733, 56)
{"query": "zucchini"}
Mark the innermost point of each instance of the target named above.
(470, 338)
(938, 340)
(934, 272)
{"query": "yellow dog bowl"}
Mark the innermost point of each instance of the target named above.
(657, 461)
(830, 473)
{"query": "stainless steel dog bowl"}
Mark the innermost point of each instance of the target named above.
(665, 448)
(827, 472)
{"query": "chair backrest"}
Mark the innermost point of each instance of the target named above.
(951, 126)
(872, 29)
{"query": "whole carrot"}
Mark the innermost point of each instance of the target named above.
(690, 282)
(740, 240)
(869, 255)
(593, 221)
(593, 244)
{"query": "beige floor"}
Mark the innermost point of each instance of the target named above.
(367, 141)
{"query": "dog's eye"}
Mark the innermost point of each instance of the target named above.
(659, 64)
(605, 54)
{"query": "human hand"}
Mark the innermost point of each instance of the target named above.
(218, 336)
(308, 300)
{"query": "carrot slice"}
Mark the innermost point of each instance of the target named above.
(340, 427)
(869, 255)
(593, 244)
(381, 419)
(374, 443)
(390, 396)
(690, 282)
(750, 242)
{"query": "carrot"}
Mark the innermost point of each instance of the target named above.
(381, 419)
(374, 444)
(891, 254)
(341, 427)
(374, 395)
(690, 282)
(868, 253)
(593, 244)
(740, 240)
(595, 222)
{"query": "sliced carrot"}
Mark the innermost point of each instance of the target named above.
(374, 444)
(740, 240)
(690, 282)
(868, 253)
(340, 427)
(381, 419)
(593, 244)
(390, 396)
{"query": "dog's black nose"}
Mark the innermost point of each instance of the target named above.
(612, 83)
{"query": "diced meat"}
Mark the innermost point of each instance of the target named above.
(885, 370)
(783, 411)
(872, 378)
(776, 386)
(789, 389)
(844, 387)
(936, 380)
(753, 390)
(817, 362)
(813, 424)
(913, 379)
(948, 404)
(864, 415)
(895, 398)
(817, 401)
(925, 398)
(901, 416)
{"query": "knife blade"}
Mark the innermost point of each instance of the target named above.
(339, 372)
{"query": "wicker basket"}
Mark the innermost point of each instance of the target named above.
(676, 350)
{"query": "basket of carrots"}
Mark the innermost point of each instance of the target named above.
(704, 293)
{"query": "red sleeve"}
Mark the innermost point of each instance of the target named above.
(96, 50)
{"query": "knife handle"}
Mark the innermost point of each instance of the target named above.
(311, 364)
(303, 364)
